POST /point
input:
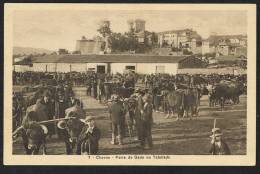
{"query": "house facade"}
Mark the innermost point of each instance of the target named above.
(186, 38)
(142, 64)
(225, 45)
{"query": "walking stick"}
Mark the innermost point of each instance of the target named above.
(214, 126)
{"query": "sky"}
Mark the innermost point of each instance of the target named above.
(54, 29)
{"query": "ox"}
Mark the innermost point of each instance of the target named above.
(226, 90)
(33, 134)
(175, 102)
(70, 132)
(130, 107)
(183, 102)
(191, 102)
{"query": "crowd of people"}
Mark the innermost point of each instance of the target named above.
(55, 99)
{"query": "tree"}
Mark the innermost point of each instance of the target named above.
(154, 38)
(131, 40)
(104, 30)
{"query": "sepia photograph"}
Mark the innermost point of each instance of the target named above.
(131, 84)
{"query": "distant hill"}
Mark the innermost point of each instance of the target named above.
(29, 50)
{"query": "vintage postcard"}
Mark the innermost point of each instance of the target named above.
(130, 84)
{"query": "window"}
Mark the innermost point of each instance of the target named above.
(160, 69)
(91, 69)
(132, 68)
(101, 69)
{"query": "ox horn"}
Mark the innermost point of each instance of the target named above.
(17, 130)
(82, 120)
(61, 124)
(45, 129)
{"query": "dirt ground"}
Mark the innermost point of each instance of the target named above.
(183, 137)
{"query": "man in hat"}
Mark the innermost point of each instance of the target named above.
(45, 110)
(218, 145)
(72, 100)
(44, 105)
(77, 109)
(60, 105)
(146, 122)
(89, 138)
(67, 91)
(116, 111)
(156, 98)
(138, 112)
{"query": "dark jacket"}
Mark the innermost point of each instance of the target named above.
(90, 140)
(139, 107)
(60, 108)
(116, 112)
(147, 115)
(72, 103)
(43, 110)
(222, 150)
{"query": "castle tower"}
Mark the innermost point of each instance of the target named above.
(137, 25)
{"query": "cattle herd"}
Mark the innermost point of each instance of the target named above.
(41, 105)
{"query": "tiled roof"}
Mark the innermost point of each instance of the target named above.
(108, 58)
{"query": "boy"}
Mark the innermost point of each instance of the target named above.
(88, 138)
(218, 145)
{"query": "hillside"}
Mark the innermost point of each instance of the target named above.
(29, 50)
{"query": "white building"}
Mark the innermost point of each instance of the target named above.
(179, 38)
(142, 64)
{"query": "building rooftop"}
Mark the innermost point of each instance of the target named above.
(228, 58)
(108, 58)
(216, 39)
(192, 34)
(175, 31)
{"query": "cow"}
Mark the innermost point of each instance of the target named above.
(227, 90)
(191, 102)
(164, 100)
(175, 102)
(33, 134)
(36, 138)
(70, 131)
(130, 106)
